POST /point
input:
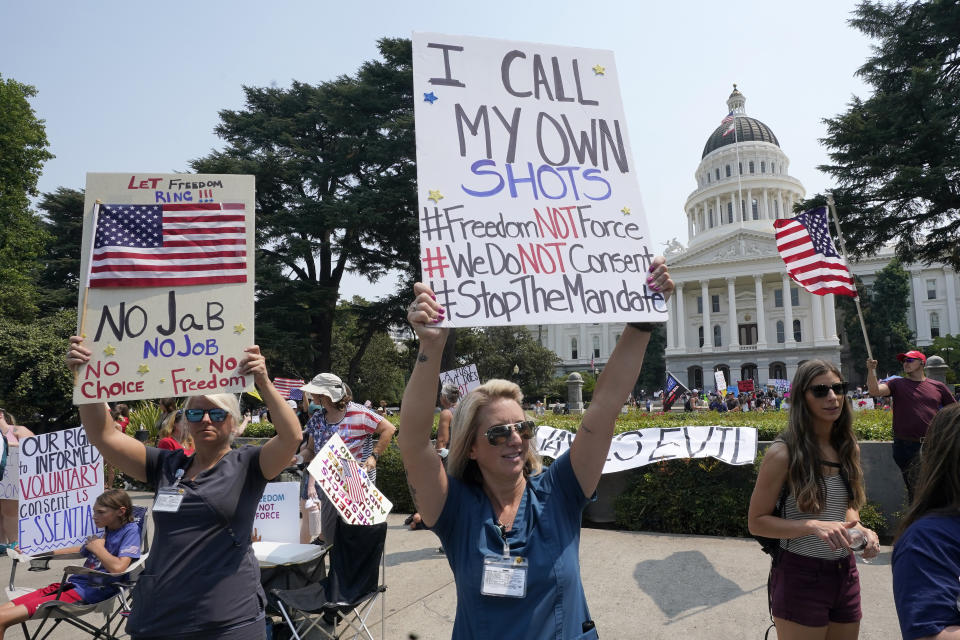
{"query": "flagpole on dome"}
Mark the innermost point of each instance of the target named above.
(741, 210)
(843, 251)
(86, 281)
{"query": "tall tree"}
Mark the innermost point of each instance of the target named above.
(896, 154)
(59, 278)
(23, 150)
(511, 353)
(335, 193)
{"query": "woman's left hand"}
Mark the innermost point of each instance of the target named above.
(253, 363)
(872, 550)
(658, 278)
(370, 464)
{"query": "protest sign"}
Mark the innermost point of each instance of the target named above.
(347, 486)
(278, 514)
(10, 484)
(779, 384)
(61, 476)
(721, 382)
(860, 404)
(745, 385)
(166, 291)
(632, 449)
(528, 199)
(466, 378)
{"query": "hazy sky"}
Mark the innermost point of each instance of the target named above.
(128, 86)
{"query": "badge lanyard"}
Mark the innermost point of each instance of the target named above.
(506, 575)
(169, 498)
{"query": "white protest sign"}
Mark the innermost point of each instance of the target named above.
(278, 514)
(859, 404)
(721, 382)
(528, 199)
(61, 476)
(465, 378)
(10, 485)
(733, 445)
(347, 486)
(169, 308)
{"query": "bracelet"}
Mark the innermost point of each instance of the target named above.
(643, 326)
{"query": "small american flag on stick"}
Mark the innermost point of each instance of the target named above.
(286, 387)
(812, 261)
(355, 479)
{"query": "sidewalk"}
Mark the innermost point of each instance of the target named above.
(638, 585)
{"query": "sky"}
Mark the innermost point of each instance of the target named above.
(126, 86)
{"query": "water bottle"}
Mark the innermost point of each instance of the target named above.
(858, 542)
(313, 511)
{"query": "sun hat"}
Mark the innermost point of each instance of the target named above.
(326, 384)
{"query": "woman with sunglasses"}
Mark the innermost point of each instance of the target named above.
(201, 579)
(814, 468)
(511, 530)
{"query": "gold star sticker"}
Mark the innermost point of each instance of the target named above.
(599, 70)
(625, 211)
(83, 335)
(239, 328)
(199, 368)
(163, 379)
(143, 368)
(435, 195)
(109, 350)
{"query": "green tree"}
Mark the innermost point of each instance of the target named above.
(896, 154)
(653, 374)
(371, 364)
(23, 150)
(948, 348)
(59, 278)
(511, 353)
(885, 314)
(335, 174)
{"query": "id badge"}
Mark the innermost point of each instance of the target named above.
(168, 499)
(504, 577)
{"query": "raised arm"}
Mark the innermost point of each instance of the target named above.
(877, 390)
(126, 453)
(589, 450)
(425, 474)
(277, 453)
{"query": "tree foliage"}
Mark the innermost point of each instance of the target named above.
(59, 277)
(948, 348)
(896, 154)
(335, 172)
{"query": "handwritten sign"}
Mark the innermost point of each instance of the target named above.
(862, 404)
(721, 382)
(779, 384)
(528, 200)
(465, 378)
(166, 293)
(632, 449)
(361, 503)
(10, 485)
(61, 476)
(278, 514)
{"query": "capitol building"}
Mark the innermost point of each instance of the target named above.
(735, 309)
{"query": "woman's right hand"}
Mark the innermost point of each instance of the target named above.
(77, 355)
(425, 313)
(833, 533)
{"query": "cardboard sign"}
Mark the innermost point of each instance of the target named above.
(347, 486)
(278, 514)
(166, 293)
(745, 385)
(466, 378)
(61, 476)
(632, 449)
(10, 485)
(528, 199)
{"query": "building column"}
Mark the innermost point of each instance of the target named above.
(605, 342)
(787, 313)
(681, 317)
(690, 216)
(732, 315)
(761, 316)
(953, 327)
(830, 318)
(816, 312)
(671, 321)
(766, 205)
(719, 212)
(780, 203)
(750, 205)
(582, 346)
(707, 329)
(922, 322)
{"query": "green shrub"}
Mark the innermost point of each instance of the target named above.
(392, 480)
(871, 516)
(260, 429)
(144, 415)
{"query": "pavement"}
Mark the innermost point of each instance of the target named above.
(638, 585)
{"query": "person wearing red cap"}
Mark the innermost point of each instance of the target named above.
(916, 399)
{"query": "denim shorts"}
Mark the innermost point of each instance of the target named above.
(814, 591)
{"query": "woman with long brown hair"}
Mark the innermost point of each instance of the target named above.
(815, 466)
(926, 554)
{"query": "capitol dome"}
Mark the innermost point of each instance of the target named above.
(748, 129)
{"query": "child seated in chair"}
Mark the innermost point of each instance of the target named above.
(111, 553)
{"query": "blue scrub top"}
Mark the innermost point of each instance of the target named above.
(546, 531)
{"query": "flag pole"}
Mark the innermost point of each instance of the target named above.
(86, 282)
(843, 250)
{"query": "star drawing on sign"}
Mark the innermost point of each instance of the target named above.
(435, 195)
(143, 368)
(599, 70)
(430, 97)
(109, 350)
(625, 211)
(239, 328)
(163, 379)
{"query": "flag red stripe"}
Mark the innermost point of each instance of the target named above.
(186, 255)
(220, 218)
(165, 282)
(194, 206)
(219, 266)
(203, 243)
(233, 205)
(195, 230)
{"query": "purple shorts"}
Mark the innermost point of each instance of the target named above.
(815, 592)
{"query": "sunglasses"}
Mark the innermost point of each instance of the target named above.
(821, 390)
(910, 359)
(498, 434)
(196, 415)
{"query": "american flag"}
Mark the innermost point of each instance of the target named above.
(355, 480)
(729, 120)
(286, 387)
(161, 245)
(812, 261)
(673, 389)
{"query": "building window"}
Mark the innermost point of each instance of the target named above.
(716, 335)
(751, 167)
(740, 167)
(695, 377)
(748, 371)
(596, 346)
(755, 206)
(699, 304)
(743, 210)
(730, 212)
(778, 371)
(794, 297)
(715, 303)
(616, 338)
(711, 217)
(773, 167)
(797, 335)
(776, 208)
(781, 337)
(708, 177)
(934, 325)
(718, 173)
(573, 349)
(778, 297)
(931, 289)
(763, 166)
(728, 171)
(700, 335)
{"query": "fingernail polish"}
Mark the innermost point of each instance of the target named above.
(441, 310)
(438, 319)
(433, 297)
(655, 288)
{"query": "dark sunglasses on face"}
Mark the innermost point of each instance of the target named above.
(498, 434)
(820, 390)
(910, 359)
(196, 415)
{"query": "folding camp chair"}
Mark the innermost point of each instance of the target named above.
(114, 609)
(354, 584)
